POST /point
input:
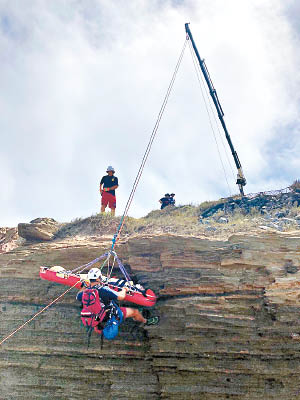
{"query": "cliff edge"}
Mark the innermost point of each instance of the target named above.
(229, 326)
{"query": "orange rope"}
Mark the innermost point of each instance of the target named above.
(38, 313)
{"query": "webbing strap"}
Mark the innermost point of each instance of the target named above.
(89, 264)
(122, 269)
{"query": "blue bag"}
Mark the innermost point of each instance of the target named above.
(111, 329)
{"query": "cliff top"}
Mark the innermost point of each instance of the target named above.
(267, 211)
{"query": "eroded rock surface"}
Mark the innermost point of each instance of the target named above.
(39, 229)
(8, 239)
(229, 322)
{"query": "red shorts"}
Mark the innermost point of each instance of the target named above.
(123, 309)
(108, 199)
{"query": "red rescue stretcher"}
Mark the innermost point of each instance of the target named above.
(136, 294)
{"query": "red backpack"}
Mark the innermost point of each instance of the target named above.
(93, 311)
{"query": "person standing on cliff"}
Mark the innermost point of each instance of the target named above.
(108, 184)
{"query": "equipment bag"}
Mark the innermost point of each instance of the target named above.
(111, 328)
(93, 311)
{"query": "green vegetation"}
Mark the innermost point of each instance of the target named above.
(181, 219)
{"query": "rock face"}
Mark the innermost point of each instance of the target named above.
(229, 328)
(38, 229)
(8, 239)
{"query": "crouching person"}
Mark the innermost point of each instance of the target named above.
(100, 310)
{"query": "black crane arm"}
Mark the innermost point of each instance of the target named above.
(241, 180)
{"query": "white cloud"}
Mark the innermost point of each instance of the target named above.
(83, 83)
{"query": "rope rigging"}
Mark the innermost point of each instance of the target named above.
(111, 252)
(37, 314)
(148, 149)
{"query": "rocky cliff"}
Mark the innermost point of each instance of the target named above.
(229, 326)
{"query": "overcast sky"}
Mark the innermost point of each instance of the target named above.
(82, 82)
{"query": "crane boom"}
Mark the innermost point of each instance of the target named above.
(241, 180)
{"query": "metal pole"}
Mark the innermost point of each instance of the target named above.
(241, 180)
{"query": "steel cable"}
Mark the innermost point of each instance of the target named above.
(196, 66)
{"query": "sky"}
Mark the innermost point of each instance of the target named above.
(82, 83)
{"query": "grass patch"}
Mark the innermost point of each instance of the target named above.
(185, 219)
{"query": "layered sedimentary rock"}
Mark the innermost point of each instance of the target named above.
(38, 229)
(229, 322)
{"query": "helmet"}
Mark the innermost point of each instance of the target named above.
(94, 273)
(167, 195)
(110, 168)
(172, 194)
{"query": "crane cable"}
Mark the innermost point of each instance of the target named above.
(217, 124)
(134, 187)
(208, 113)
(148, 148)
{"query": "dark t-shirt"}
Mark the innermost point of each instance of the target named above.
(165, 201)
(109, 181)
